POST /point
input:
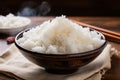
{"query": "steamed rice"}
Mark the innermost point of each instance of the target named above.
(60, 36)
(11, 21)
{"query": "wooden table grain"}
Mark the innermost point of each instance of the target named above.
(111, 23)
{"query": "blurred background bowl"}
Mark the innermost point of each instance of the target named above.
(60, 63)
(14, 30)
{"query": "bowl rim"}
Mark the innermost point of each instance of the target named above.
(65, 54)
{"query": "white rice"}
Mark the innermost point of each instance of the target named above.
(11, 21)
(60, 36)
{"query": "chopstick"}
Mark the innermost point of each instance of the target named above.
(110, 35)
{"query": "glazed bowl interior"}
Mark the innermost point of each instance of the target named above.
(61, 63)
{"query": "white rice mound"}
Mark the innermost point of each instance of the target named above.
(60, 36)
(12, 21)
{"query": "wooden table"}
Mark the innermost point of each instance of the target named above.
(111, 23)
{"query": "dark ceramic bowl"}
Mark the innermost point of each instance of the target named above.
(60, 63)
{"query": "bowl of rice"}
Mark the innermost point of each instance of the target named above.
(60, 46)
(11, 24)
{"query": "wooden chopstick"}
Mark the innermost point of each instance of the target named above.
(110, 35)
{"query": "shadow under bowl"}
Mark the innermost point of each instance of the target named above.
(60, 63)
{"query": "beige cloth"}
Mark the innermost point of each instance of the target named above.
(14, 66)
